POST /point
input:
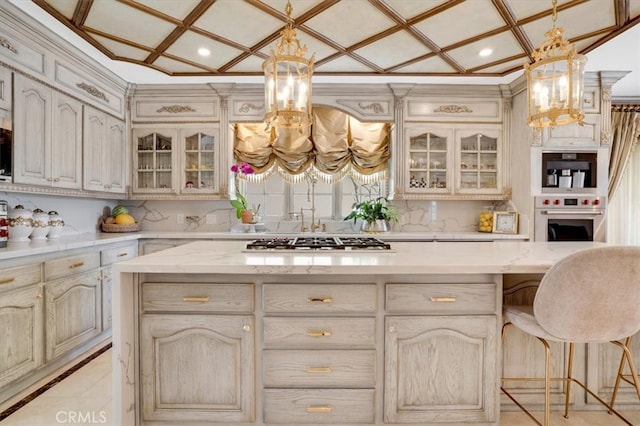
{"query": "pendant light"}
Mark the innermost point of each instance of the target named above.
(288, 81)
(555, 80)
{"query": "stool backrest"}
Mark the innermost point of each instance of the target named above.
(591, 296)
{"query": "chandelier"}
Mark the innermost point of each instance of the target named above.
(555, 81)
(288, 81)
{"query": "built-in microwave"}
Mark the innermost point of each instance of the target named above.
(5, 155)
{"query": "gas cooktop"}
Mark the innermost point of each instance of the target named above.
(318, 243)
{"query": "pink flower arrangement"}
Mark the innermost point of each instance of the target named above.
(243, 168)
(240, 203)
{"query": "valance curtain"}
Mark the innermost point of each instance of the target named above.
(338, 146)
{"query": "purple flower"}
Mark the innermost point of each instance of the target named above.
(243, 168)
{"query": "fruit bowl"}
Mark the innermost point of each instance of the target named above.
(114, 227)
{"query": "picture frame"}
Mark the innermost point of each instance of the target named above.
(505, 222)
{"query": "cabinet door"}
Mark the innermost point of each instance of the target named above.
(73, 312)
(197, 368)
(153, 160)
(115, 156)
(428, 161)
(5, 88)
(66, 142)
(199, 161)
(441, 369)
(478, 161)
(21, 334)
(107, 308)
(32, 132)
(95, 141)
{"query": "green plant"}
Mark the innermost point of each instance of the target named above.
(240, 204)
(372, 210)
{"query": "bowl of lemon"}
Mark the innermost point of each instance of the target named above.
(119, 221)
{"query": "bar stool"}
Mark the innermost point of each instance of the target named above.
(631, 378)
(591, 296)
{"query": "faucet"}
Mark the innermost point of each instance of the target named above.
(310, 197)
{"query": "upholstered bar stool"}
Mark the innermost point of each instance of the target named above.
(631, 378)
(591, 296)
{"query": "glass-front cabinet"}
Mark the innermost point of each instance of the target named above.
(445, 161)
(181, 161)
(153, 160)
(477, 161)
(429, 163)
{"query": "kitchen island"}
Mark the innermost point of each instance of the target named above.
(209, 333)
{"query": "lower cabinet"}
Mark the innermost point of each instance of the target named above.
(21, 333)
(440, 369)
(197, 368)
(73, 312)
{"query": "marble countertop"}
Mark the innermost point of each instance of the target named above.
(229, 257)
(28, 248)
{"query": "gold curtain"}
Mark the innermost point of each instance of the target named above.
(625, 123)
(339, 146)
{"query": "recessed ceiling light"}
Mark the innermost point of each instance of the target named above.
(485, 52)
(203, 51)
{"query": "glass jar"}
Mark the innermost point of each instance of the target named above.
(485, 224)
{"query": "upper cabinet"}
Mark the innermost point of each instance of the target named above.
(104, 152)
(452, 148)
(47, 136)
(5, 90)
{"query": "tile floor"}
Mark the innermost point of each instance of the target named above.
(84, 398)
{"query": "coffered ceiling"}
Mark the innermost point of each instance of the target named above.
(348, 37)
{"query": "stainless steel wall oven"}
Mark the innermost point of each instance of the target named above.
(570, 218)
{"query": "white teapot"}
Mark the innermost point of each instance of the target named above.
(20, 223)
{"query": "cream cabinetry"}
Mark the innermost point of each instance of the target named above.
(5, 89)
(54, 308)
(47, 136)
(453, 160)
(104, 156)
(182, 161)
(438, 346)
(197, 367)
(21, 310)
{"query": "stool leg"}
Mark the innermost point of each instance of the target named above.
(547, 382)
(626, 355)
(568, 381)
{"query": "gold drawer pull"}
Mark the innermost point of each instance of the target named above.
(318, 333)
(319, 409)
(7, 280)
(196, 299)
(122, 254)
(319, 370)
(319, 299)
(443, 299)
(76, 265)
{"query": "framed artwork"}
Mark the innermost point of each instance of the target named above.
(505, 222)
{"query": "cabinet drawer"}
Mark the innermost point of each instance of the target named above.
(197, 297)
(318, 298)
(441, 298)
(319, 369)
(65, 266)
(319, 333)
(19, 276)
(319, 406)
(110, 256)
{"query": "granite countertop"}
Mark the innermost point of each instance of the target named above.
(229, 257)
(28, 248)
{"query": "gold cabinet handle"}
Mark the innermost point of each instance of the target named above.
(319, 409)
(318, 333)
(7, 280)
(319, 299)
(443, 299)
(122, 254)
(195, 299)
(318, 370)
(76, 265)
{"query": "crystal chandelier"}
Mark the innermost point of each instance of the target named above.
(288, 81)
(555, 81)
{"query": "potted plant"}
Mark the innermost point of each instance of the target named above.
(376, 215)
(240, 203)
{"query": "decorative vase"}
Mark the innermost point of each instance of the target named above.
(40, 225)
(247, 216)
(20, 224)
(379, 225)
(56, 225)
